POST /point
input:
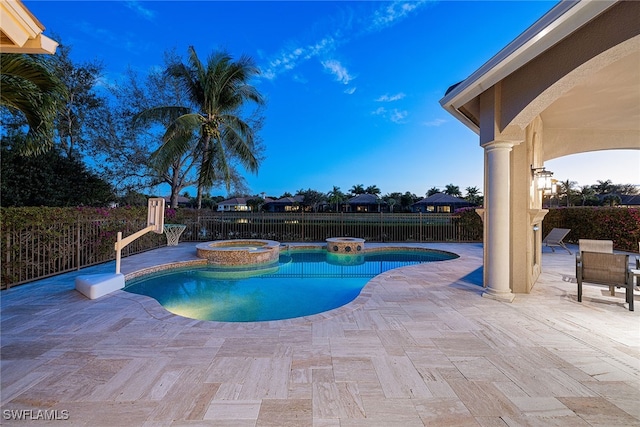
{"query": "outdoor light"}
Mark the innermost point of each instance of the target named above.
(543, 178)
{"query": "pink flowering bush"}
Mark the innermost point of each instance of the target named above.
(622, 225)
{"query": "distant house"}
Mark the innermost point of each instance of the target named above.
(183, 202)
(285, 204)
(630, 201)
(366, 203)
(621, 200)
(237, 204)
(440, 203)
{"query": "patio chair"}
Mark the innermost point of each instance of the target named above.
(554, 238)
(589, 245)
(605, 269)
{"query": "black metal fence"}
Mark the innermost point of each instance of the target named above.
(317, 227)
(32, 252)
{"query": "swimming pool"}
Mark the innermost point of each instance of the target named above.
(301, 283)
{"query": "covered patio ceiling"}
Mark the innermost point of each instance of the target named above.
(606, 101)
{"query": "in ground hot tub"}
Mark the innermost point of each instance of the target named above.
(239, 252)
(345, 245)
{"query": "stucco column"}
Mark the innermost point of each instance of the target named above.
(497, 221)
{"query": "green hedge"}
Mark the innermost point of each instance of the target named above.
(622, 225)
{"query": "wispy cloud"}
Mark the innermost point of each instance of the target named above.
(391, 98)
(398, 116)
(386, 15)
(434, 122)
(140, 9)
(290, 58)
(393, 12)
(394, 115)
(338, 70)
(350, 91)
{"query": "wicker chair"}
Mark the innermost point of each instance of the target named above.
(605, 269)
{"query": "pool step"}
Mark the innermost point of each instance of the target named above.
(96, 285)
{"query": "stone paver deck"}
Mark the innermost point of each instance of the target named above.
(419, 346)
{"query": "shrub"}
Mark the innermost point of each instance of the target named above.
(622, 225)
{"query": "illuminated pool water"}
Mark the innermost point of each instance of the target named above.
(301, 283)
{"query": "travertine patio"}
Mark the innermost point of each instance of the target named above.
(420, 346)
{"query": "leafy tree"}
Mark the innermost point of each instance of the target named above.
(218, 90)
(391, 202)
(81, 108)
(133, 198)
(611, 200)
(136, 94)
(452, 190)
(49, 179)
(587, 195)
(312, 198)
(406, 200)
(623, 189)
(392, 199)
(432, 191)
(31, 90)
(255, 203)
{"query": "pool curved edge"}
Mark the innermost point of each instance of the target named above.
(158, 311)
(162, 267)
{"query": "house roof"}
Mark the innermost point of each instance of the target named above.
(625, 199)
(562, 20)
(181, 199)
(442, 199)
(234, 201)
(630, 199)
(287, 200)
(20, 30)
(366, 199)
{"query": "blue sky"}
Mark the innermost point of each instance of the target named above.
(352, 88)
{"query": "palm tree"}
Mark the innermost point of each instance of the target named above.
(568, 189)
(335, 196)
(372, 189)
(217, 90)
(30, 86)
(452, 190)
(473, 195)
(432, 191)
(603, 187)
(587, 193)
(357, 189)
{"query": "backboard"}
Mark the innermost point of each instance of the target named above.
(155, 214)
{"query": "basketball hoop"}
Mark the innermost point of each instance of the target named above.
(173, 232)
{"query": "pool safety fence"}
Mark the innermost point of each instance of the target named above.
(33, 252)
(317, 227)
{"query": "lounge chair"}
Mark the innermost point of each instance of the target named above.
(605, 269)
(554, 238)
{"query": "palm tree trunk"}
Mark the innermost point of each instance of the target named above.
(199, 197)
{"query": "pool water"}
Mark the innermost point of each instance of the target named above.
(302, 283)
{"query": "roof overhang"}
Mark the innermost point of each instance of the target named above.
(564, 19)
(21, 32)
